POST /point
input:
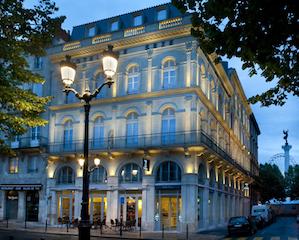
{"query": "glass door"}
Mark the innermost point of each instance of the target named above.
(98, 208)
(131, 209)
(32, 204)
(169, 212)
(168, 207)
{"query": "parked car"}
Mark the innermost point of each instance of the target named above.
(241, 224)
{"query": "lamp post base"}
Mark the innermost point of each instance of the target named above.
(84, 230)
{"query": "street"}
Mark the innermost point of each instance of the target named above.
(285, 228)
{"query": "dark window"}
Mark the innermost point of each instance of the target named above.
(168, 172)
(99, 175)
(66, 175)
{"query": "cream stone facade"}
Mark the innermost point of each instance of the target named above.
(173, 132)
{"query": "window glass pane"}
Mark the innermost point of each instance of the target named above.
(161, 15)
(13, 165)
(91, 31)
(138, 20)
(114, 26)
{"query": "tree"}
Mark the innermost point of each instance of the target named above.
(261, 33)
(24, 32)
(270, 183)
(292, 182)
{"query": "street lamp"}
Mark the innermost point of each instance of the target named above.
(68, 72)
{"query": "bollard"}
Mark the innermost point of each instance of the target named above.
(25, 223)
(6, 222)
(187, 232)
(101, 228)
(140, 229)
(46, 227)
(162, 231)
(120, 228)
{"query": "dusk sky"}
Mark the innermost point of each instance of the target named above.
(271, 120)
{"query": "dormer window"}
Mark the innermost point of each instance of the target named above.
(137, 20)
(91, 31)
(114, 26)
(161, 15)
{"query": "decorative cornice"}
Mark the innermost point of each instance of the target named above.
(142, 39)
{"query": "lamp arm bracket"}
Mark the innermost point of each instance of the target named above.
(98, 90)
(69, 89)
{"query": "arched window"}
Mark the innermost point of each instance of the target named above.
(66, 175)
(168, 172)
(133, 80)
(130, 173)
(99, 175)
(68, 135)
(98, 132)
(99, 80)
(168, 126)
(169, 74)
(132, 128)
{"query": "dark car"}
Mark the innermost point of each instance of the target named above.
(241, 225)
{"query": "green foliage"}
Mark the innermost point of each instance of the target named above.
(270, 183)
(292, 181)
(24, 32)
(261, 33)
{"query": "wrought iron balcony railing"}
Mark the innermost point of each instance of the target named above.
(28, 142)
(160, 140)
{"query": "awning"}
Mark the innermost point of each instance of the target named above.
(20, 187)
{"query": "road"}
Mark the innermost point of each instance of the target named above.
(285, 228)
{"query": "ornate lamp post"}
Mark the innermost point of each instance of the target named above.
(68, 72)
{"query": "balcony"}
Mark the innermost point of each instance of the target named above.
(27, 142)
(145, 142)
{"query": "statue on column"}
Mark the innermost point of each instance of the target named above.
(286, 134)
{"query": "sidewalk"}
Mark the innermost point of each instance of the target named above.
(109, 233)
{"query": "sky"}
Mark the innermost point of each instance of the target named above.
(272, 120)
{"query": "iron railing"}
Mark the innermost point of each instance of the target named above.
(147, 141)
(28, 142)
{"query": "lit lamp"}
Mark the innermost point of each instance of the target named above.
(97, 161)
(68, 72)
(110, 62)
(81, 161)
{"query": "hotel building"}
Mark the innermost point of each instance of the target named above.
(176, 137)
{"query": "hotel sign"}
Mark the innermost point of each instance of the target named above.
(20, 187)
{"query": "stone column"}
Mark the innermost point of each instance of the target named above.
(53, 208)
(189, 202)
(205, 209)
(112, 199)
(148, 202)
(149, 69)
(21, 206)
(188, 64)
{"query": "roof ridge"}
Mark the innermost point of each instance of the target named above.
(104, 19)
